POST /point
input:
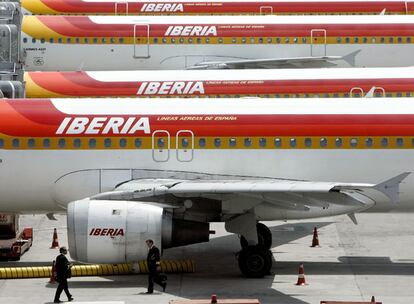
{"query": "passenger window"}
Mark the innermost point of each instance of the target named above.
(247, 142)
(43, 40)
(384, 142)
(323, 142)
(107, 142)
(190, 40)
(202, 142)
(308, 142)
(391, 39)
(85, 40)
(217, 142)
(51, 40)
(304, 40)
(356, 39)
(252, 40)
(220, 40)
(287, 40)
(243, 40)
(172, 40)
(365, 40)
(161, 142)
(137, 142)
(400, 142)
(46, 143)
(60, 40)
(207, 40)
(260, 40)
(369, 142)
(24, 40)
(33, 40)
(61, 143)
(198, 40)
(347, 40)
(338, 142)
(181, 40)
(262, 142)
(31, 143)
(103, 40)
(77, 143)
(185, 142)
(68, 40)
(92, 143)
(373, 40)
(1, 142)
(353, 142)
(338, 39)
(95, 40)
(155, 40)
(269, 40)
(122, 142)
(278, 40)
(233, 40)
(278, 142)
(15, 143)
(412, 142)
(232, 142)
(382, 40)
(292, 142)
(399, 39)
(77, 40)
(295, 40)
(164, 40)
(121, 40)
(408, 39)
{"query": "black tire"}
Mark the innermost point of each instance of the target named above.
(264, 236)
(255, 262)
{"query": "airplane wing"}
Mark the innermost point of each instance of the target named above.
(284, 194)
(271, 63)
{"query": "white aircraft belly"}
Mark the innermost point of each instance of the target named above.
(55, 56)
(28, 178)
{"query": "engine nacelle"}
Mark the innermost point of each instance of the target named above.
(102, 231)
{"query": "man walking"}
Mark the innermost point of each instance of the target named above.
(62, 275)
(153, 261)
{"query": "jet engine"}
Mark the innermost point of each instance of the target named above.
(102, 231)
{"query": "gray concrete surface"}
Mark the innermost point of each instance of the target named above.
(353, 263)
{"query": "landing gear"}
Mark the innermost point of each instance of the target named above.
(255, 262)
(255, 259)
(264, 237)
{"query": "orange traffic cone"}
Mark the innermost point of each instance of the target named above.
(53, 273)
(373, 300)
(301, 276)
(55, 242)
(315, 240)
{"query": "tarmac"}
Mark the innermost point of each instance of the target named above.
(354, 262)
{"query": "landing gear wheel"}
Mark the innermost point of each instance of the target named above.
(255, 262)
(264, 236)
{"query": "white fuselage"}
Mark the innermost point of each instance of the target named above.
(39, 180)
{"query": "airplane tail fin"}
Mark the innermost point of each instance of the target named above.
(391, 187)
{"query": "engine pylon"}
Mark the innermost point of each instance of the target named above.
(301, 276)
(315, 239)
(55, 242)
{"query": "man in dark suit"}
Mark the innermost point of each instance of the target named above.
(62, 275)
(153, 261)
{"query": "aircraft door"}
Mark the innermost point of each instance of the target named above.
(160, 146)
(121, 8)
(141, 41)
(184, 144)
(318, 42)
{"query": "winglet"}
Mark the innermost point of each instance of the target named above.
(391, 187)
(350, 58)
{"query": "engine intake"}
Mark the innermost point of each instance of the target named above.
(102, 231)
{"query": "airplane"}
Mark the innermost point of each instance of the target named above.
(126, 170)
(278, 83)
(228, 7)
(68, 43)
